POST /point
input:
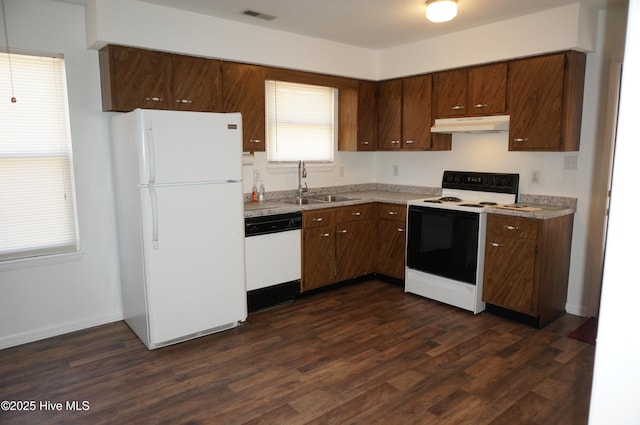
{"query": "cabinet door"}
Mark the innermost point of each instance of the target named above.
(509, 273)
(197, 84)
(535, 103)
(367, 116)
(390, 114)
(391, 248)
(450, 93)
(135, 78)
(243, 91)
(416, 112)
(487, 89)
(355, 254)
(318, 257)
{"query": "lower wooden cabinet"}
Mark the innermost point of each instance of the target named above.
(526, 268)
(391, 234)
(337, 244)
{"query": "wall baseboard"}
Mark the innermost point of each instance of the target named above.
(38, 334)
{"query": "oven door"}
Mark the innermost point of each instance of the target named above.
(443, 242)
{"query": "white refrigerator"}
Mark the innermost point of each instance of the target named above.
(178, 183)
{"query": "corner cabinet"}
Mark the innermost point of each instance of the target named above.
(137, 78)
(545, 102)
(404, 115)
(526, 269)
(243, 91)
(358, 118)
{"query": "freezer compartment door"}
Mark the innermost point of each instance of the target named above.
(194, 258)
(182, 147)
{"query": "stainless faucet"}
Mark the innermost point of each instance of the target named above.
(302, 174)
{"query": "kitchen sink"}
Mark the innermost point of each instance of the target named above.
(298, 201)
(333, 198)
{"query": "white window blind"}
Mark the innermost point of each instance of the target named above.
(37, 205)
(300, 122)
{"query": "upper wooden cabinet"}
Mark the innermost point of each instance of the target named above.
(545, 102)
(478, 90)
(243, 91)
(197, 84)
(404, 115)
(137, 78)
(358, 118)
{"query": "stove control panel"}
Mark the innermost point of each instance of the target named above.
(482, 182)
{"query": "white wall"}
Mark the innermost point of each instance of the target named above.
(616, 380)
(40, 298)
(43, 298)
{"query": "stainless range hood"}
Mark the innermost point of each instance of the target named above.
(492, 124)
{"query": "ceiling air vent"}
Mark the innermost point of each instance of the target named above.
(258, 15)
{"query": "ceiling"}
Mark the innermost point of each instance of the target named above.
(375, 24)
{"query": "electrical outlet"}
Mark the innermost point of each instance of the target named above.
(570, 162)
(256, 175)
(535, 176)
(395, 170)
(341, 171)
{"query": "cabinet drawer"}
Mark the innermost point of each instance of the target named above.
(512, 226)
(318, 218)
(355, 213)
(396, 212)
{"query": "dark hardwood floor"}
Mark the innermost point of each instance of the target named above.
(361, 354)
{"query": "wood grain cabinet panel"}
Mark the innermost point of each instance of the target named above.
(243, 91)
(338, 244)
(138, 78)
(545, 102)
(197, 84)
(404, 115)
(526, 268)
(391, 240)
(358, 118)
(135, 78)
(473, 91)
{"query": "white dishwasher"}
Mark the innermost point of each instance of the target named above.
(273, 259)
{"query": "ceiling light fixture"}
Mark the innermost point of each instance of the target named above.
(441, 10)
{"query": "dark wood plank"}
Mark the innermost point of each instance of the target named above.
(365, 353)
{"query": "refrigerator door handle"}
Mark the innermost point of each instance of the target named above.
(151, 149)
(154, 217)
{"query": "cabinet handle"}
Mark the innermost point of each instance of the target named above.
(183, 101)
(356, 213)
(392, 212)
(153, 99)
(343, 231)
(395, 142)
(480, 105)
(410, 142)
(400, 229)
(457, 108)
(497, 245)
(318, 219)
(325, 235)
(512, 227)
(364, 143)
(521, 139)
(255, 141)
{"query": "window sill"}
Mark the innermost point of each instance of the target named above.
(43, 260)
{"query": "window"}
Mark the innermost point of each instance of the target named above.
(37, 201)
(300, 122)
